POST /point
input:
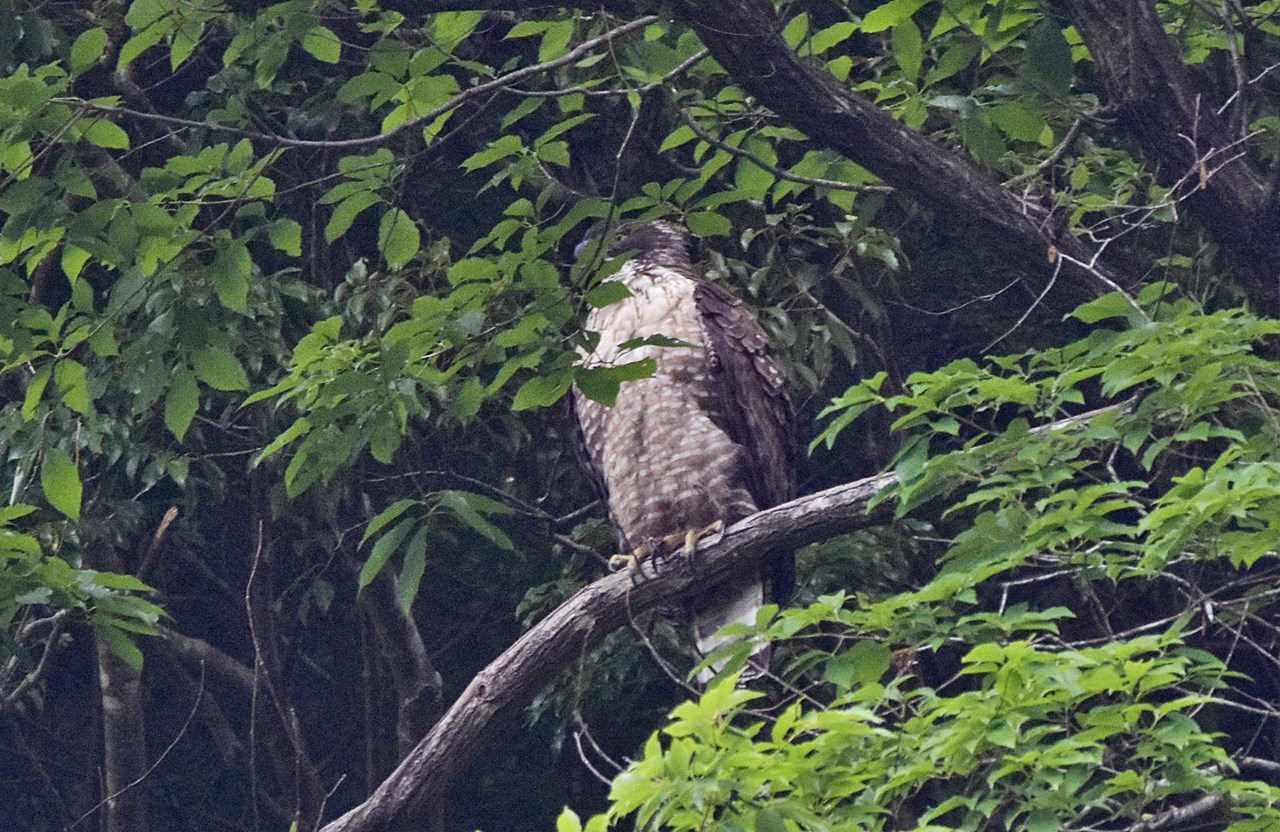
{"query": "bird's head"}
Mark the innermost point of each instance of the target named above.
(657, 241)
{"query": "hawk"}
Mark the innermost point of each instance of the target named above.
(704, 442)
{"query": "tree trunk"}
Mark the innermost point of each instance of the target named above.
(124, 742)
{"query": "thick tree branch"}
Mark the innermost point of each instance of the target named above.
(510, 681)
(417, 682)
(744, 36)
(1177, 125)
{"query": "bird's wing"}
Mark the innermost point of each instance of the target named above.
(757, 411)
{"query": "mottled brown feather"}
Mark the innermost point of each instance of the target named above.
(708, 437)
(756, 407)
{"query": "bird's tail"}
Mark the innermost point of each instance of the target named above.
(734, 602)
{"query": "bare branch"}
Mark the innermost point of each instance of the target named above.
(1182, 815)
(511, 681)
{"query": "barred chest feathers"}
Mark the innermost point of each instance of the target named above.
(668, 462)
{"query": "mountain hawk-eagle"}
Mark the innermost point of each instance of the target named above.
(707, 439)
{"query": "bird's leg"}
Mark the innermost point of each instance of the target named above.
(693, 536)
(650, 549)
(655, 550)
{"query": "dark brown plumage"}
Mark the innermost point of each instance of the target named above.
(708, 438)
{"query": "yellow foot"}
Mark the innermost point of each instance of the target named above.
(692, 536)
(655, 550)
(633, 560)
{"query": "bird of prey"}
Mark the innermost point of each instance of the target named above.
(705, 441)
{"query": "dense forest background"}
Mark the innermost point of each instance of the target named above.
(292, 533)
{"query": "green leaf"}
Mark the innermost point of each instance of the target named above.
(382, 550)
(121, 644)
(981, 139)
(768, 820)
(500, 148)
(232, 268)
(708, 224)
(322, 44)
(286, 236)
(750, 178)
(677, 137)
(908, 48)
(90, 46)
(451, 28)
(61, 482)
(107, 134)
(466, 507)
(954, 60)
(1047, 60)
(472, 268)
(564, 127)
(73, 261)
(556, 153)
(568, 821)
(386, 516)
(1110, 305)
(35, 392)
(384, 437)
(414, 562)
(185, 40)
(890, 14)
(833, 35)
(300, 427)
(72, 379)
(140, 43)
(219, 369)
(527, 29)
(541, 391)
(398, 238)
(347, 211)
(608, 293)
(555, 40)
(795, 30)
(863, 664)
(601, 384)
(180, 403)
(1018, 122)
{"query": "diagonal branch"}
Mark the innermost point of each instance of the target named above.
(510, 681)
(744, 36)
(1177, 124)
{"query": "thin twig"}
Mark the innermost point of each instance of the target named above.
(195, 706)
(833, 184)
(380, 138)
(1052, 158)
(583, 89)
(38, 671)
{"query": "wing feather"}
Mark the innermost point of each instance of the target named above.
(756, 409)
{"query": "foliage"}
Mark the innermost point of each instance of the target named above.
(302, 275)
(1170, 493)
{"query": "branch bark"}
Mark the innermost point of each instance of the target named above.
(511, 681)
(1176, 123)
(745, 37)
(124, 745)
